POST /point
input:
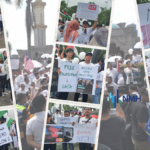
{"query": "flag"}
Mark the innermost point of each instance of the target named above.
(28, 64)
(9, 121)
(64, 15)
(2, 113)
(70, 47)
(64, 12)
(118, 65)
(5, 53)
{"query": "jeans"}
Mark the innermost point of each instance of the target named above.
(96, 96)
(1, 25)
(85, 146)
(71, 146)
(53, 94)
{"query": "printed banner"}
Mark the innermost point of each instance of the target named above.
(67, 81)
(4, 135)
(87, 11)
(59, 134)
(144, 15)
(55, 76)
(87, 79)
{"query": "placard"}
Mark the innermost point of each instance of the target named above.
(4, 135)
(55, 76)
(67, 81)
(15, 141)
(66, 120)
(59, 134)
(144, 15)
(14, 64)
(87, 11)
(85, 133)
(87, 79)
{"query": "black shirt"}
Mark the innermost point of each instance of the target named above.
(139, 115)
(111, 132)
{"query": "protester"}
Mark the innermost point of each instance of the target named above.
(57, 114)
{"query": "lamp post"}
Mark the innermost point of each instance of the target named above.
(105, 12)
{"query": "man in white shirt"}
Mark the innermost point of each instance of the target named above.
(27, 83)
(130, 73)
(87, 119)
(68, 59)
(56, 115)
(87, 62)
(88, 31)
(133, 90)
(22, 89)
(110, 83)
(136, 57)
(111, 71)
(71, 113)
(34, 128)
(37, 80)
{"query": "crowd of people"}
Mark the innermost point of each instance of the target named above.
(1, 23)
(68, 57)
(82, 118)
(127, 128)
(31, 89)
(5, 86)
(79, 31)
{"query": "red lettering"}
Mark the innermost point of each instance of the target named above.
(92, 7)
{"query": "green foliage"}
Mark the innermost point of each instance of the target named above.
(82, 49)
(146, 57)
(50, 106)
(142, 1)
(63, 5)
(68, 108)
(101, 55)
(104, 16)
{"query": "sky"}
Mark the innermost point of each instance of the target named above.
(15, 24)
(123, 12)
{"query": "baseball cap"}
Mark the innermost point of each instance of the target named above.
(89, 53)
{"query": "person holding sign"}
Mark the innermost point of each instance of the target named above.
(86, 120)
(87, 62)
(88, 31)
(69, 54)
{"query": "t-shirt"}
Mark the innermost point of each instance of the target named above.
(120, 79)
(139, 115)
(59, 63)
(112, 73)
(84, 120)
(35, 127)
(111, 132)
(87, 35)
(84, 64)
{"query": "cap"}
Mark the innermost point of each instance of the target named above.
(69, 50)
(143, 90)
(57, 109)
(89, 53)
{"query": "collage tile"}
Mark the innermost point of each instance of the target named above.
(75, 76)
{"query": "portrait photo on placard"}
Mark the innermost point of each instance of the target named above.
(77, 74)
(72, 126)
(8, 130)
(124, 112)
(5, 85)
(84, 22)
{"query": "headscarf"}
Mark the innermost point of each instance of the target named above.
(71, 30)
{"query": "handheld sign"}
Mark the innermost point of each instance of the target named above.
(144, 15)
(87, 11)
(68, 78)
(4, 135)
(66, 120)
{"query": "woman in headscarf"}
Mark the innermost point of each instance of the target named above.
(72, 32)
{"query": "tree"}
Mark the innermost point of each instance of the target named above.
(104, 16)
(142, 1)
(146, 57)
(51, 105)
(101, 55)
(63, 5)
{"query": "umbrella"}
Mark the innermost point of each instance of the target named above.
(130, 51)
(46, 55)
(138, 45)
(36, 64)
(112, 59)
(48, 66)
